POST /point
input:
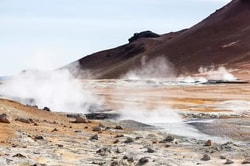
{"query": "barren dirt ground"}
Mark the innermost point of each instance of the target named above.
(51, 138)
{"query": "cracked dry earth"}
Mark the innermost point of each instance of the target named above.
(51, 139)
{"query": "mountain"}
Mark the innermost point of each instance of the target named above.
(222, 39)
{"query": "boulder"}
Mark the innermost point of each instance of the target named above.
(129, 140)
(47, 109)
(228, 161)
(208, 143)
(116, 141)
(39, 137)
(4, 118)
(19, 155)
(119, 135)
(150, 150)
(114, 163)
(246, 161)
(143, 161)
(205, 157)
(167, 139)
(55, 129)
(94, 137)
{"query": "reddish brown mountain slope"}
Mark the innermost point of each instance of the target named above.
(223, 38)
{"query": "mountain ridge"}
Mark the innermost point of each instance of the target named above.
(221, 39)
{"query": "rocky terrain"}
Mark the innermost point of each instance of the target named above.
(32, 136)
(151, 121)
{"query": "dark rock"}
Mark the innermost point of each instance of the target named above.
(205, 157)
(143, 160)
(39, 137)
(4, 118)
(98, 163)
(77, 131)
(144, 34)
(246, 161)
(119, 135)
(167, 146)
(107, 128)
(168, 139)
(150, 150)
(222, 157)
(14, 145)
(19, 155)
(137, 138)
(129, 140)
(114, 163)
(55, 129)
(94, 137)
(154, 142)
(125, 157)
(118, 128)
(228, 161)
(103, 151)
(47, 109)
(102, 116)
(73, 115)
(60, 145)
(97, 128)
(116, 141)
(208, 143)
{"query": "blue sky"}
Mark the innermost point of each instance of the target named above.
(47, 34)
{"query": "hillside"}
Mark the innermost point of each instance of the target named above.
(221, 39)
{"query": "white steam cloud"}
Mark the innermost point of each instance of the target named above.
(206, 74)
(58, 90)
(160, 114)
(167, 119)
(221, 73)
(158, 67)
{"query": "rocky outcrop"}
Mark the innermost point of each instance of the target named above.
(144, 34)
(4, 118)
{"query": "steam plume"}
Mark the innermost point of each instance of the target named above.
(221, 73)
(158, 67)
(58, 90)
(160, 114)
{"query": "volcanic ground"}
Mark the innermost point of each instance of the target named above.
(209, 128)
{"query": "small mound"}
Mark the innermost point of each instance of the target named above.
(144, 34)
